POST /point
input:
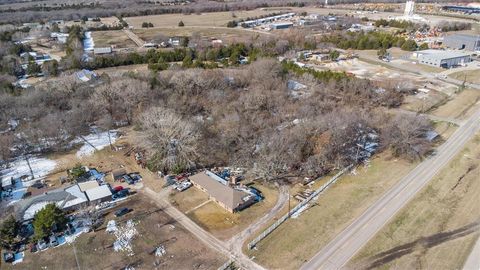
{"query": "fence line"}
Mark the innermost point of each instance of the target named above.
(226, 265)
(275, 225)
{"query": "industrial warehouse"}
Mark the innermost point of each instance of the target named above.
(443, 59)
(468, 42)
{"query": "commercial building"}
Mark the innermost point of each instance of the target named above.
(231, 199)
(440, 58)
(284, 25)
(468, 42)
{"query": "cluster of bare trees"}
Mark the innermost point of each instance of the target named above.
(241, 117)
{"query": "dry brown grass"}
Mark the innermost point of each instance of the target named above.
(459, 105)
(203, 19)
(225, 34)
(297, 240)
(114, 38)
(470, 76)
(438, 228)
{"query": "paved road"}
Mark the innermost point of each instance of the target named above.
(473, 261)
(346, 244)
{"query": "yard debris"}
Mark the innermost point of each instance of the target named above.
(160, 251)
(111, 226)
(125, 235)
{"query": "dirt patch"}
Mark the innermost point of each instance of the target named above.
(470, 76)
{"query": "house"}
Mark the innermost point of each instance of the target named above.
(102, 50)
(231, 199)
(70, 198)
(99, 194)
(440, 58)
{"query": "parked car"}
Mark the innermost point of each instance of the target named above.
(135, 176)
(122, 211)
(121, 194)
(183, 186)
(128, 179)
(53, 241)
(8, 257)
(41, 245)
(33, 248)
(117, 188)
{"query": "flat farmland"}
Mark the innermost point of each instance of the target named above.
(203, 19)
(114, 38)
(225, 34)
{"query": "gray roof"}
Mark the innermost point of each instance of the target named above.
(470, 37)
(440, 54)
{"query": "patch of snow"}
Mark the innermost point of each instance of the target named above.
(20, 172)
(96, 141)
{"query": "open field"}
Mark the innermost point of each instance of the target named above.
(438, 227)
(155, 228)
(460, 105)
(297, 240)
(471, 76)
(203, 19)
(223, 33)
(215, 219)
(114, 38)
(424, 102)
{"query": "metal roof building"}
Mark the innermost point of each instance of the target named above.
(440, 58)
(469, 42)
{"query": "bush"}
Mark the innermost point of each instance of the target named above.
(181, 24)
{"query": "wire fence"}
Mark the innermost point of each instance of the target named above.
(275, 225)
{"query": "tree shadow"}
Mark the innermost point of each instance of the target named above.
(425, 242)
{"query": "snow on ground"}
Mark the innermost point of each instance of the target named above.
(99, 140)
(41, 167)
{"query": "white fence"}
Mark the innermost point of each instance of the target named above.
(275, 225)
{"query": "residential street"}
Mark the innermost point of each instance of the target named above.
(346, 244)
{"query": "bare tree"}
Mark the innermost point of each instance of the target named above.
(173, 139)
